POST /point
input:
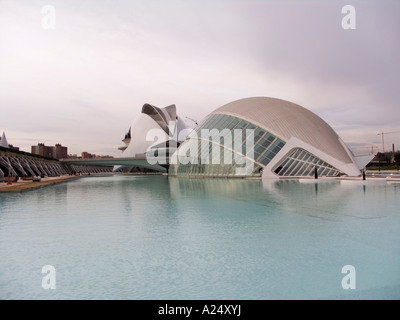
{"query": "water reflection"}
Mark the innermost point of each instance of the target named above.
(327, 199)
(155, 237)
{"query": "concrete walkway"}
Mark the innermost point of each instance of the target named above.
(29, 184)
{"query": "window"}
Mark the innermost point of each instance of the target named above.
(265, 147)
(301, 163)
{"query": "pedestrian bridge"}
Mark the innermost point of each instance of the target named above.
(140, 162)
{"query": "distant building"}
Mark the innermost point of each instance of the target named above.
(163, 120)
(384, 159)
(86, 155)
(103, 156)
(41, 150)
(4, 143)
(60, 152)
(56, 152)
(13, 148)
(281, 140)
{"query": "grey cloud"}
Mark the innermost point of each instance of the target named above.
(110, 57)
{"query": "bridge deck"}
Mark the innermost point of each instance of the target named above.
(138, 162)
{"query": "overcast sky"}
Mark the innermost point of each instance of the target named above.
(82, 83)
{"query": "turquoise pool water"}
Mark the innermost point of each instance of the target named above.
(154, 237)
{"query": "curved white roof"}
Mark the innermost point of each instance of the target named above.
(286, 119)
(3, 141)
(162, 116)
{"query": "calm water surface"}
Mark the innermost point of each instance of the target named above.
(154, 237)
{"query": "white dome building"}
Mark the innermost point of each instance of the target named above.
(264, 137)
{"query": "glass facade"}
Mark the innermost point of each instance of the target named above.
(226, 146)
(301, 163)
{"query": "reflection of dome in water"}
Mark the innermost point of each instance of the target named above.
(289, 141)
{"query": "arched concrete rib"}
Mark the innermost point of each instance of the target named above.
(162, 116)
(5, 161)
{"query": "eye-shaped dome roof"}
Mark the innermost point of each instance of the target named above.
(286, 119)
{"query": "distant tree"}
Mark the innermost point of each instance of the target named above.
(380, 157)
(397, 160)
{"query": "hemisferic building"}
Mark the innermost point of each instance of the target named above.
(264, 137)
